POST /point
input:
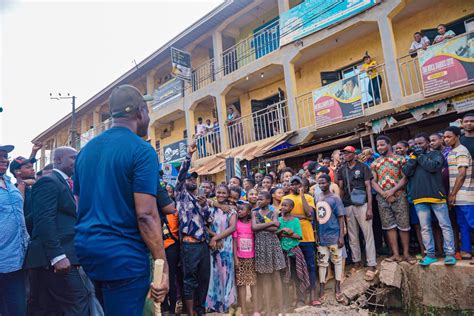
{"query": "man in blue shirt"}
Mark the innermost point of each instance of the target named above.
(13, 243)
(116, 183)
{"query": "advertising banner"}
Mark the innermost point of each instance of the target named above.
(181, 64)
(314, 15)
(463, 103)
(167, 92)
(175, 151)
(447, 65)
(337, 102)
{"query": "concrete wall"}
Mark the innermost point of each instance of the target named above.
(439, 12)
(308, 78)
(176, 134)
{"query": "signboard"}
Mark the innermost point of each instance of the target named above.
(181, 64)
(337, 102)
(175, 151)
(167, 92)
(463, 103)
(170, 173)
(447, 65)
(314, 15)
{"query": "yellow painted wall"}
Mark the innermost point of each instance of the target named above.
(308, 77)
(204, 114)
(445, 11)
(259, 94)
(176, 134)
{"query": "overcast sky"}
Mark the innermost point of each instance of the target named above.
(76, 47)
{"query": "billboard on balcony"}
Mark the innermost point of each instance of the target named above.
(337, 102)
(175, 151)
(314, 15)
(181, 64)
(167, 92)
(447, 65)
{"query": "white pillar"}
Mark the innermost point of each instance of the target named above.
(283, 6)
(291, 92)
(390, 58)
(217, 50)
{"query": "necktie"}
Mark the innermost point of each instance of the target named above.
(70, 183)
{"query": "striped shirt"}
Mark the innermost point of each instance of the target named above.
(460, 157)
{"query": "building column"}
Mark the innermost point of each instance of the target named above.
(390, 58)
(290, 84)
(43, 156)
(96, 121)
(217, 51)
(222, 117)
(150, 88)
(190, 123)
(283, 6)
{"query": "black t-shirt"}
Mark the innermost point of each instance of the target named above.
(27, 209)
(357, 175)
(468, 142)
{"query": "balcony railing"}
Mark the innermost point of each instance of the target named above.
(253, 47)
(209, 144)
(259, 125)
(410, 75)
(202, 75)
(372, 92)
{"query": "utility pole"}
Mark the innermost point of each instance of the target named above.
(73, 132)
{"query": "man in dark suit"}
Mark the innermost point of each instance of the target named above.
(51, 252)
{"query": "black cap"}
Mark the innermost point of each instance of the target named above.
(126, 98)
(323, 169)
(192, 175)
(313, 167)
(7, 148)
(20, 161)
(296, 178)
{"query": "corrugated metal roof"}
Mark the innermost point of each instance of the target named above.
(204, 25)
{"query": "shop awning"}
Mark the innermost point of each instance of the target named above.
(216, 164)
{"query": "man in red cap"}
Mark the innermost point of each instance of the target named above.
(355, 182)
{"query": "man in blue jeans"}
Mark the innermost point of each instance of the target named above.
(428, 193)
(117, 186)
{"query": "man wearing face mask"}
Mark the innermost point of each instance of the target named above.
(13, 243)
(193, 213)
(117, 186)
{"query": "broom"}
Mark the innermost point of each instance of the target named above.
(157, 276)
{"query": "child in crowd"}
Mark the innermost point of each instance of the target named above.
(290, 233)
(244, 258)
(330, 214)
(277, 195)
(252, 197)
(221, 294)
(235, 195)
(269, 259)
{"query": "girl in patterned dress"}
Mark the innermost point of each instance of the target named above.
(222, 294)
(269, 259)
(244, 257)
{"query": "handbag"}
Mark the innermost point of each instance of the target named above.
(358, 197)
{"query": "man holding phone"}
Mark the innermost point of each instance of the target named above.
(193, 212)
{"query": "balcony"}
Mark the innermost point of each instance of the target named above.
(410, 75)
(252, 48)
(209, 144)
(259, 125)
(202, 76)
(350, 97)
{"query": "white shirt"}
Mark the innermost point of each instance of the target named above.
(200, 129)
(416, 46)
(60, 257)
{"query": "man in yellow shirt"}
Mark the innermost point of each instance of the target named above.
(375, 83)
(304, 210)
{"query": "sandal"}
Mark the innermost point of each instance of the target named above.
(392, 259)
(315, 303)
(465, 256)
(370, 275)
(323, 299)
(340, 297)
(426, 261)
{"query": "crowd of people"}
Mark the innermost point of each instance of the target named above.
(78, 237)
(422, 42)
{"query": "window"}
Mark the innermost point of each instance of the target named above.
(458, 27)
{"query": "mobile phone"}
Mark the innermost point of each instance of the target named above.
(201, 192)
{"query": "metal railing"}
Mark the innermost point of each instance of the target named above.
(265, 123)
(372, 92)
(410, 75)
(253, 47)
(202, 75)
(209, 144)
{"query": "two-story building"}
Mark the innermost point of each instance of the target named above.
(283, 80)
